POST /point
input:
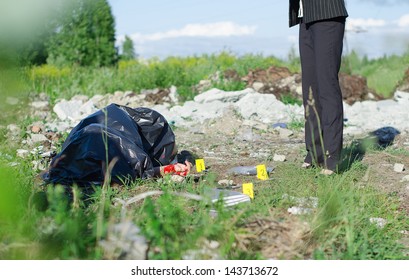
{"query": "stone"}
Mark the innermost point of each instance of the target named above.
(74, 110)
(284, 132)
(67, 109)
(124, 241)
(40, 105)
(405, 179)
(35, 129)
(398, 167)
(295, 210)
(280, 158)
(225, 183)
(14, 129)
(257, 86)
(22, 153)
(37, 138)
(379, 222)
(221, 95)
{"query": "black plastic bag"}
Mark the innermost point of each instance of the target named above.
(138, 139)
(385, 135)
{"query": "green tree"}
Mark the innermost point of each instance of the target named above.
(128, 50)
(84, 35)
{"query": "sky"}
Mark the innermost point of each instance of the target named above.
(162, 28)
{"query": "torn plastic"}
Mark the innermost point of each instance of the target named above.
(133, 140)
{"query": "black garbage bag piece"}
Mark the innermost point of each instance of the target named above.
(139, 139)
(385, 135)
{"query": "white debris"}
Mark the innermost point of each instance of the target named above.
(295, 210)
(379, 222)
(399, 167)
(280, 158)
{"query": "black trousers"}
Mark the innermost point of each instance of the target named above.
(321, 46)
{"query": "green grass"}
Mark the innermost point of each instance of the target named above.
(383, 74)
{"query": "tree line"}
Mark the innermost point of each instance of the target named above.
(77, 32)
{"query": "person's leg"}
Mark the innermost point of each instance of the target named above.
(328, 42)
(311, 101)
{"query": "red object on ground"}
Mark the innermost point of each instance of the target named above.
(171, 169)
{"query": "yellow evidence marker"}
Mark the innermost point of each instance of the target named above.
(262, 172)
(200, 165)
(248, 189)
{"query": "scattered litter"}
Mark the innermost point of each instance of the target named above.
(246, 170)
(379, 222)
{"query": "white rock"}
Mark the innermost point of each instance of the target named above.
(398, 167)
(379, 222)
(67, 109)
(40, 105)
(124, 240)
(22, 153)
(405, 179)
(14, 129)
(284, 132)
(280, 158)
(36, 138)
(221, 95)
(74, 110)
(295, 210)
(225, 183)
(257, 86)
(173, 95)
(262, 107)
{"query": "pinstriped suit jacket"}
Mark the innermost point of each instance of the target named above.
(315, 10)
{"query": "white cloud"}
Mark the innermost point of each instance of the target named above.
(362, 24)
(404, 21)
(217, 29)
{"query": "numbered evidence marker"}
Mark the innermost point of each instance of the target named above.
(248, 189)
(262, 172)
(200, 165)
